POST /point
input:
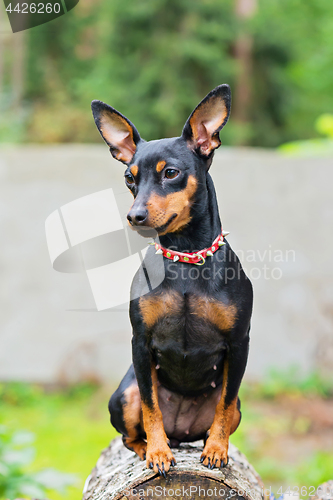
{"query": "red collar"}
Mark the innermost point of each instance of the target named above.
(198, 258)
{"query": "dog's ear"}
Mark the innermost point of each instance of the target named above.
(117, 131)
(201, 131)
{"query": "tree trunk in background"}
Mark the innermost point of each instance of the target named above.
(120, 474)
(244, 9)
(18, 51)
(242, 94)
(14, 65)
(2, 48)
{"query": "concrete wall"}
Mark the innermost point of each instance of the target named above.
(279, 211)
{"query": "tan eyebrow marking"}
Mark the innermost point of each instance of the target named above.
(134, 170)
(160, 166)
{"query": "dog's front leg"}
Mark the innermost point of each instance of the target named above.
(227, 415)
(159, 456)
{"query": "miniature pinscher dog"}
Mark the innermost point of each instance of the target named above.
(191, 333)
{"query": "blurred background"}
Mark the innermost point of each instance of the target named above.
(154, 60)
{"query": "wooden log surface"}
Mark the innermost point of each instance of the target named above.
(120, 474)
(324, 492)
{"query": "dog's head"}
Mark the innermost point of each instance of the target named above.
(165, 176)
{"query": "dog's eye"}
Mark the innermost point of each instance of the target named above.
(129, 179)
(171, 173)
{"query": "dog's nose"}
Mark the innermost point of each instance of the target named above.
(137, 217)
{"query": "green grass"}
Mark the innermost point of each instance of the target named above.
(291, 382)
(71, 428)
(275, 471)
(259, 434)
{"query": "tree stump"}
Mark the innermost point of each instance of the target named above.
(120, 474)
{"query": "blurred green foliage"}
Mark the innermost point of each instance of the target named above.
(324, 125)
(71, 426)
(154, 60)
(313, 147)
(274, 439)
(16, 454)
(23, 394)
(290, 382)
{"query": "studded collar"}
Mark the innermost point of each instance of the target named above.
(198, 258)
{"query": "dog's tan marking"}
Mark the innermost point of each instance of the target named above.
(225, 422)
(132, 416)
(158, 450)
(160, 165)
(134, 170)
(132, 409)
(236, 420)
(161, 208)
(154, 307)
(139, 446)
(221, 315)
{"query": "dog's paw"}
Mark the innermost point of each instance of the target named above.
(215, 454)
(137, 445)
(160, 458)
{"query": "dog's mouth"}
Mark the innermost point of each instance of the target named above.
(152, 232)
(162, 229)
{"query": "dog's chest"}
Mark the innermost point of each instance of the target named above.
(193, 318)
(187, 335)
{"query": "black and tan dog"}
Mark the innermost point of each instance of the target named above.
(191, 333)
